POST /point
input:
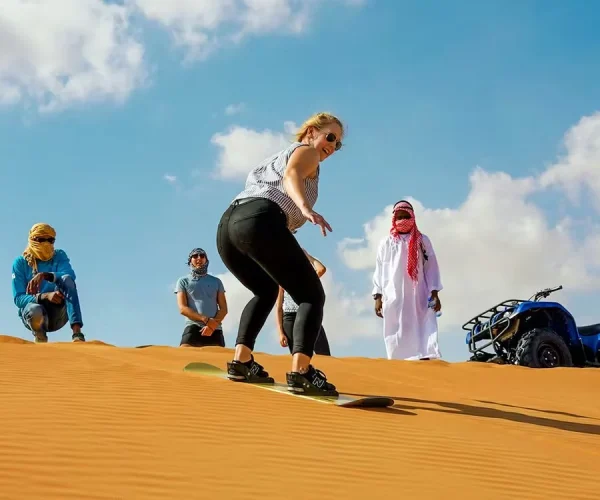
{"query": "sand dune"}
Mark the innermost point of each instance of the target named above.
(94, 421)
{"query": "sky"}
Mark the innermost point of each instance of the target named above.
(130, 125)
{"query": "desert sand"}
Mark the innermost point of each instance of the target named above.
(95, 421)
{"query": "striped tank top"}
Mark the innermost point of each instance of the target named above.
(288, 303)
(266, 181)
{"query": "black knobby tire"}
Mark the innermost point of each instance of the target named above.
(542, 348)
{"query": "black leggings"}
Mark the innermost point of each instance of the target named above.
(321, 344)
(260, 251)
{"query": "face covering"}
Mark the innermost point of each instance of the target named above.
(415, 240)
(39, 250)
(198, 272)
(404, 225)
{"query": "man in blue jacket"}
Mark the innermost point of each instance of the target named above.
(43, 287)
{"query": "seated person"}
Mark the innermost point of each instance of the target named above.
(201, 299)
(43, 287)
(285, 316)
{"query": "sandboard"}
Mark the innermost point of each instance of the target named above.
(344, 400)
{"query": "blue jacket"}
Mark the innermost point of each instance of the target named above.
(22, 272)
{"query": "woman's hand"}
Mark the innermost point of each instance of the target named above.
(317, 219)
(283, 341)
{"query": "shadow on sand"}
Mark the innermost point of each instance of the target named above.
(551, 412)
(405, 405)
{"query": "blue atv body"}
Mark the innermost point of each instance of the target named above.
(533, 333)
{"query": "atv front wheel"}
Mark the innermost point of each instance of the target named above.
(542, 348)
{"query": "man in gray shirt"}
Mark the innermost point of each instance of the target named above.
(201, 299)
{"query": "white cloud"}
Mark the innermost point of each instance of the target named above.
(348, 314)
(189, 22)
(237, 298)
(498, 243)
(580, 166)
(171, 179)
(274, 15)
(234, 109)
(55, 53)
(203, 26)
(243, 148)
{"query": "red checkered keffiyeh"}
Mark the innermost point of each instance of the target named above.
(415, 241)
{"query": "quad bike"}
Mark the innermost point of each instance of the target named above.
(532, 333)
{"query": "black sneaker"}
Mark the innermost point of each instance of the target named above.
(313, 382)
(78, 337)
(249, 371)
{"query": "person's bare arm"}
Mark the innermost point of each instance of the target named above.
(186, 311)
(317, 264)
(279, 312)
(283, 341)
(302, 164)
(222, 303)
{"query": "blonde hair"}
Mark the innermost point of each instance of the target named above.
(318, 121)
(36, 250)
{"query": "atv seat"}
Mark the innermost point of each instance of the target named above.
(587, 331)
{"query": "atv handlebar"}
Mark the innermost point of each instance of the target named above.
(544, 293)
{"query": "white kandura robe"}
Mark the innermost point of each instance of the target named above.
(410, 329)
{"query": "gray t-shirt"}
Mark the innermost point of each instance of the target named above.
(201, 295)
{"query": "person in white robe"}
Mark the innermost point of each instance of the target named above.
(406, 276)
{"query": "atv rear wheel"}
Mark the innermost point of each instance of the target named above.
(542, 348)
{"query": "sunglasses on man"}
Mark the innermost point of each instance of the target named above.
(44, 240)
(198, 255)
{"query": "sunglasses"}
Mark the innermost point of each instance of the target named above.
(198, 255)
(44, 240)
(332, 138)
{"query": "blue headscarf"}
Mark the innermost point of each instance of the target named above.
(198, 272)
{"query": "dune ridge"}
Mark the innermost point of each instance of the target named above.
(97, 421)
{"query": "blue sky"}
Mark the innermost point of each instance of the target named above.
(429, 93)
